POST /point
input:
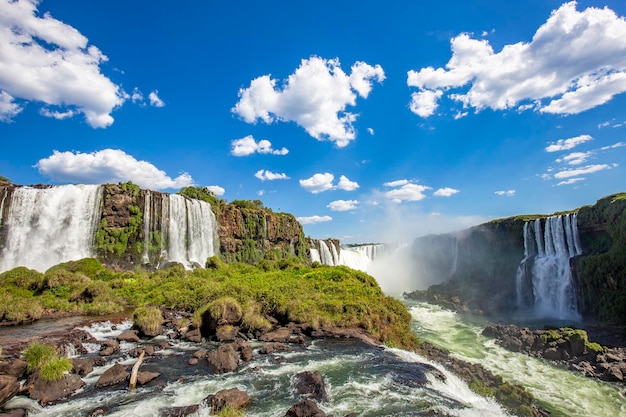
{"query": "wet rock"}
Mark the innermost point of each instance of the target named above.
(9, 387)
(147, 349)
(114, 375)
(281, 335)
(199, 354)
(268, 348)
(310, 385)
(183, 411)
(99, 411)
(193, 361)
(614, 373)
(109, 347)
(246, 353)
(226, 333)
(129, 336)
(82, 366)
(19, 412)
(233, 398)
(145, 377)
(16, 368)
(49, 392)
(306, 408)
(193, 336)
(553, 354)
(223, 359)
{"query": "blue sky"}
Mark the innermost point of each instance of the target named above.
(369, 121)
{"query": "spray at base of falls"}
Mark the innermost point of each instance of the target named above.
(544, 279)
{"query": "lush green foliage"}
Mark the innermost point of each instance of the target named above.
(45, 359)
(148, 317)
(249, 204)
(204, 194)
(286, 290)
(4, 179)
(574, 336)
(230, 412)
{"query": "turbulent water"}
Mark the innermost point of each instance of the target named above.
(544, 281)
(563, 392)
(48, 226)
(366, 380)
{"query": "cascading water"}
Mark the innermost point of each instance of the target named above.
(544, 275)
(356, 257)
(45, 227)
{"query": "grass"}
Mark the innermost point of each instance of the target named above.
(45, 359)
(290, 292)
(148, 318)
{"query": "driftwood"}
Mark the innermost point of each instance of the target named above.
(133, 374)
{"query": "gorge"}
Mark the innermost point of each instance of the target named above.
(566, 267)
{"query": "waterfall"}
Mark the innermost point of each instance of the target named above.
(360, 257)
(147, 217)
(544, 275)
(325, 254)
(315, 255)
(190, 232)
(45, 227)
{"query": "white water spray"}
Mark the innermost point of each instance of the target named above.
(52, 225)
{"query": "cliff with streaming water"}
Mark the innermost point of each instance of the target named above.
(564, 266)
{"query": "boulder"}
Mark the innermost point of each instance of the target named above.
(246, 353)
(49, 392)
(233, 398)
(199, 354)
(18, 412)
(115, 374)
(268, 348)
(193, 336)
(9, 387)
(223, 359)
(193, 361)
(226, 333)
(145, 377)
(16, 368)
(147, 349)
(81, 366)
(310, 385)
(109, 347)
(183, 411)
(129, 336)
(280, 335)
(306, 408)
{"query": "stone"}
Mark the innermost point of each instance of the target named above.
(145, 377)
(9, 387)
(268, 348)
(82, 367)
(193, 336)
(17, 412)
(614, 373)
(310, 385)
(233, 398)
(114, 375)
(129, 336)
(552, 354)
(193, 361)
(226, 333)
(16, 368)
(109, 347)
(183, 411)
(199, 354)
(245, 353)
(223, 359)
(306, 408)
(280, 335)
(49, 392)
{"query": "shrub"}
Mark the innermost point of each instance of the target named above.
(23, 277)
(148, 318)
(55, 368)
(37, 354)
(227, 411)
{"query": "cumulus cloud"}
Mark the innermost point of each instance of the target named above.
(445, 192)
(566, 144)
(574, 62)
(589, 169)
(216, 189)
(45, 60)
(576, 158)
(155, 100)
(315, 97)
(508, 193)
(248, 145)
(314, 219)
(324, 182)
(318, 183)
(405, 190)
(343, 205)
(264, 174)
(107, 166)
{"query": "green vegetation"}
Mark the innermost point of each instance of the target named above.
(574, 336)
(204, 194)
(513, 397)
(45, 359)
(148, 318)
(285, 290)
(4, 179)
(227, 411)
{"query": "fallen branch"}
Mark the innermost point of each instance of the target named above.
(133, 374)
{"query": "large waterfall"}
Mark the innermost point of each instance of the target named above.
(186, 228)
(44, 227)
(356, 257)
(544, 275)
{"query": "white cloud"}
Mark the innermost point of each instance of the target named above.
(318, 183)
(314, 219)
(370, 131)
(315, 97)
(264, 174)
(566, 144)
(343, 205)
(45, 60)
(574, 62)
(137, 96)
(216, 189)
(445, 192)
(575, 158)
(615, 145)
(407, 191)
(247, 146)
(589, 169)
(424, 103)
(57, 115)
(155, 100)
(346, 184)
(571, 181)
(261, 192)
(396, 183)
(508, 193)
(107, 166)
